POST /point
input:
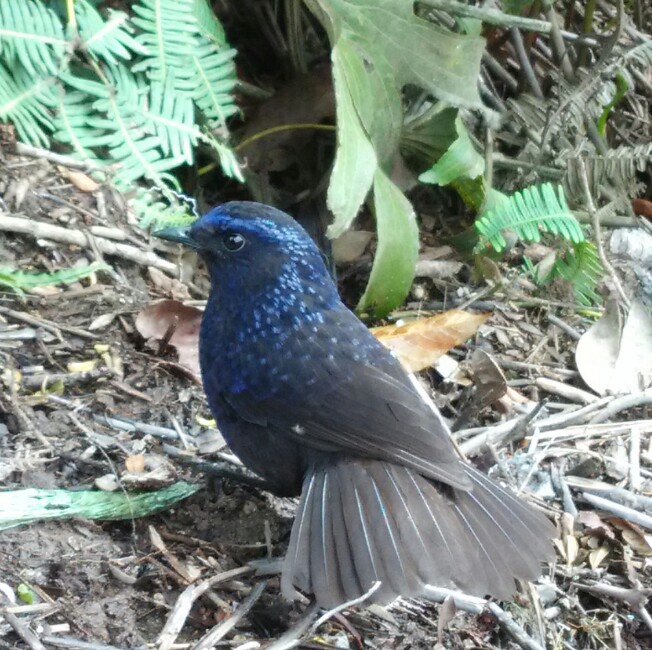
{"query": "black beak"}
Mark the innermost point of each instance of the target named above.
(179, 234)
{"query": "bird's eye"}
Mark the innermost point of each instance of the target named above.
(233, 242)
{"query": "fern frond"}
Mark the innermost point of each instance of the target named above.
(155, 211)
(582, 268)
(618, 169)
(21, 280)
(109, 40)
(31, 36)
(192, 46)
(27, 101)
(71, 126)
(529, 212)
(134, 143)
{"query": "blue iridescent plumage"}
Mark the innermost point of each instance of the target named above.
(311, 401)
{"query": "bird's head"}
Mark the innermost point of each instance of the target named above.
(247, 246)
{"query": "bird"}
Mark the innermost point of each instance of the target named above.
(311, 401)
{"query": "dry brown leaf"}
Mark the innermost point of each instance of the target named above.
(419, 343)
(350, 245)
(135, 463)
(178, 321)
(615, 357)
(80, 180)
(634, 536)
(597, 556)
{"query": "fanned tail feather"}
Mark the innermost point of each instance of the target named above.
(362, 521)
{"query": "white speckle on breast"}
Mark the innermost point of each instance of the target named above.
(298, 429)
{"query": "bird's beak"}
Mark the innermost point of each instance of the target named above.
(179, 234)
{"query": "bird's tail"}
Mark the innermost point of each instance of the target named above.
(361, 521)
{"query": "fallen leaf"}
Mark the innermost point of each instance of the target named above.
(350, 245)
(82, 366)
(157, 320)
(596, 556)
(437, 269)
(80, 180)
(615, 357)
(419, 343)
(167, 285)
(102, 321)
(135, 463)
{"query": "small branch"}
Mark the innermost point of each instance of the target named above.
(184, 603)
(30, 151)
(623, 403)
(621, 511)
(498, 18)
(41, 230)
(222, 629)
(597, 231)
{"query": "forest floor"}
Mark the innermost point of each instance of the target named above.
(72, 357)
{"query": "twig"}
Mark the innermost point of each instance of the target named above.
(622, 404)
(526, 66)
(22, 630)
(623, 512)
(571, 393)
(177, 618)
(564, 326)
(634, 459)
(512, 628)
(498, 18)
(47, 325)
(222, 629)
(476, 605)
(292, 638)
(77, 644)
(23, 149)
(42, 230)
(349, 603)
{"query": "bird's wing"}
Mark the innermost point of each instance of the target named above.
(365, 407)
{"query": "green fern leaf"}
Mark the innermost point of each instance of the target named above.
(31, 36)
(528, 213)
(109, 40)
(582, 268)
(134, 143)
(21, 280)
(71, 126)
(183, 38)
(26, 102)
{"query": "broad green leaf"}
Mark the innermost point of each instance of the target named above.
(378, 48)
(396, 255)
(420, 53)
(460, 161)
(355, 161)
(368, 77)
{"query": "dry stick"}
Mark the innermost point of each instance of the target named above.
(22, 630)
(223, 628)
(476, 605)
(292, 638)
(498, 18)
(23, 149)
(623, 512)
(41, 230)
(634, 459)
(77, 644)
(570, 393)
(177, 618)
(623, 403)
(597, 231)
(526, 66)
(47, 325)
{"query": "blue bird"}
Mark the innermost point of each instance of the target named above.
(309, 399)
